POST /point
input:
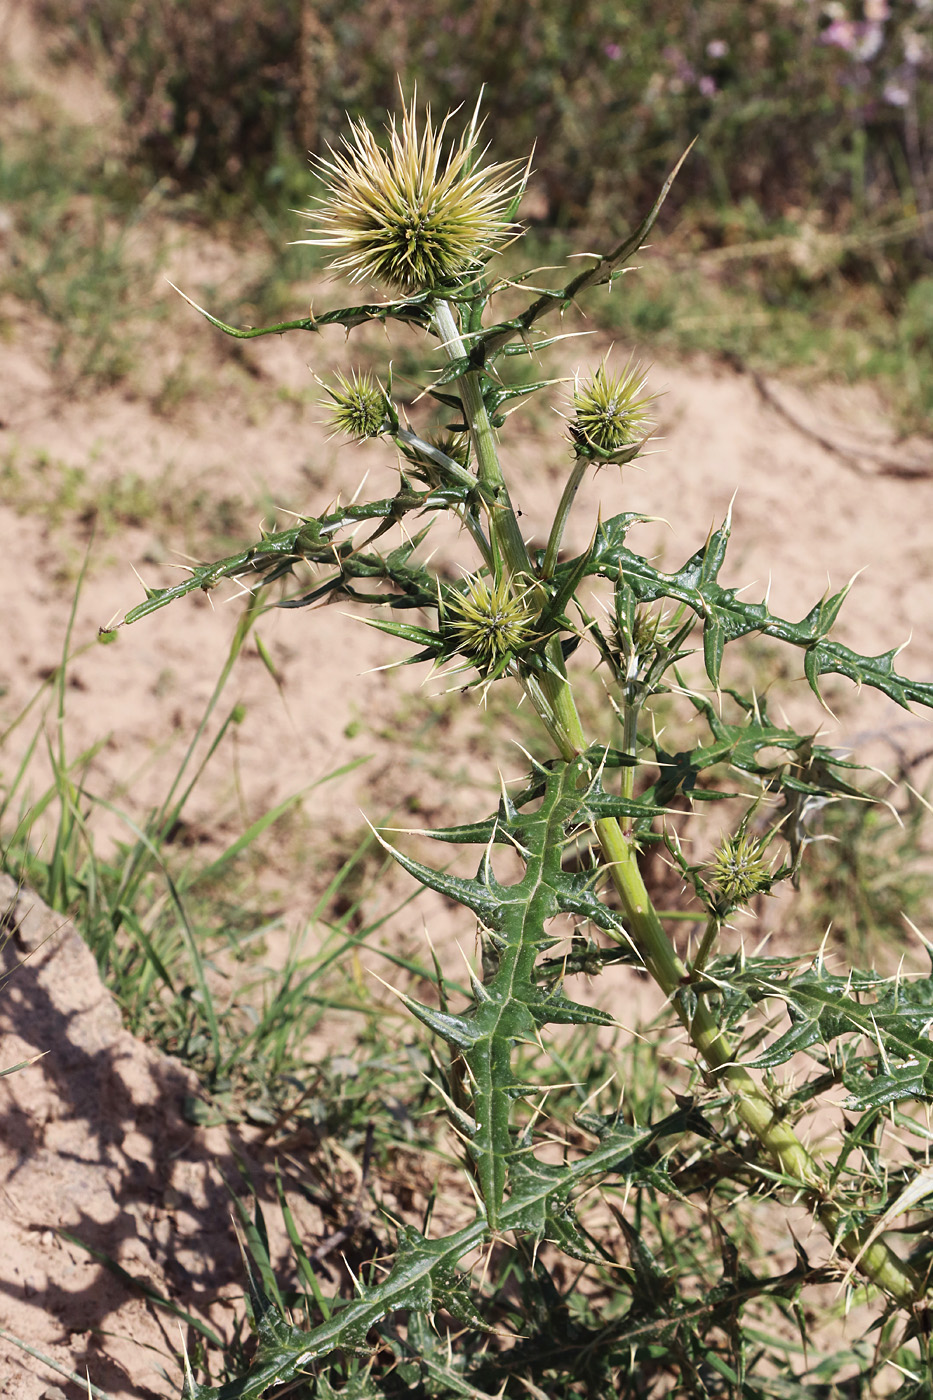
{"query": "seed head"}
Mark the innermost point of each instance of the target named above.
(410, 215)
(359, 406)
(740, 870)
(610, 421)
(488, 623)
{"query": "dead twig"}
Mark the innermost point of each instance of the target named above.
(904, 469)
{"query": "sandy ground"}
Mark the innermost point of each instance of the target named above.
(804, 520)
(92, 1137)
(104, 1160)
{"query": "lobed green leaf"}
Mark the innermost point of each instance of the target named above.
(726, 617)
(424, 1277)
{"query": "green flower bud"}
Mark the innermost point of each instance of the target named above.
(610, 422)
(635, 640)
(488, 623)
(359, 406)
(740, 870)
(456, 446)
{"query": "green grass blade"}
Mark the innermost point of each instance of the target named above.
(170, 810)
(83, 1382)
(305, 1268)
(23, 1064)
(141, 1286)
(146, 842)
(262, 824)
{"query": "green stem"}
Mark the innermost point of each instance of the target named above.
(560, 519)
(503, 522)
(630, 712)
(710, 934)
(552, 697)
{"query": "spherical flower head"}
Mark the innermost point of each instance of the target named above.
(411, 216)
(739, 870)
(488, 623)
(610, 421)
(358, 406)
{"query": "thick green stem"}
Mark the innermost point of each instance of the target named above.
(503, 522)
(630, 712)
(552, 697)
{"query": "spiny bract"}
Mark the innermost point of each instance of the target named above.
(489, 622)
(406, 215)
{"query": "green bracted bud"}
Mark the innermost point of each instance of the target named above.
(635, 641)
(409, 215)
(359, 406)
(739, 870)
(488, 623)
(610, 422)
(456, 446)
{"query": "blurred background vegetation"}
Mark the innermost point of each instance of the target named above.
(804, 110)
(799, 232)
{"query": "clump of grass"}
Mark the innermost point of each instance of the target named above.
(177, 940)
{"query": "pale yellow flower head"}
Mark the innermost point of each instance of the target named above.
(410, 215)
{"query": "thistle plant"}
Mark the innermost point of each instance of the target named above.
(423, 219)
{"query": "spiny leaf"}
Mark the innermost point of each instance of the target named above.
(893, 1016)
(313, 541)
(808, 770)
(424, 1276)
(413, 310)
(513, 1005)
(727, 617)
(507, 826)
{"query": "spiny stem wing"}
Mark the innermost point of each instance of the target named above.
(513, 1005)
